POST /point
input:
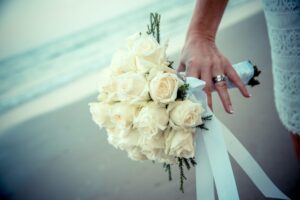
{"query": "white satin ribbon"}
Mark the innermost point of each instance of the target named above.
(204, 188)
(213, 163)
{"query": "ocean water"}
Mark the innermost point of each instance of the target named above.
(38, 71)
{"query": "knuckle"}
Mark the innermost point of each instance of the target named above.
(226, 61)
(208, 61)
(221, 85)
(207, 87)
(225, 97)
(207, 90)
(217, 63)
(192, 72)
(217, 68)
(231, 72)
(235, 79)
(234, 76)
(239, 82)
(192, 63)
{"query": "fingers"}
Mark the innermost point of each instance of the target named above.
(207, 90)
(207, 72)
(221, 88)
(234, 77)
(193, 70)
(181, 67)
(206, 76)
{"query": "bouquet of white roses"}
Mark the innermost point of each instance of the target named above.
(146, 107)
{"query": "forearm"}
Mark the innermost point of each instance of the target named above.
(206, 17)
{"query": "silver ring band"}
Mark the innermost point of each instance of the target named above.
(219, 78)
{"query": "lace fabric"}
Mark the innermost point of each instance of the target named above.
(285, 42)
(283, 21)
(287, 99)
(280, 5)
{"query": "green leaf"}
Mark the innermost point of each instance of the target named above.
(182, 91)
(207, 118)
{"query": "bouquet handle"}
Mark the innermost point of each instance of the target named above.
(247, 72)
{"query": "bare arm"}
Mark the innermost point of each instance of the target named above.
(206, 17)
(200, 56)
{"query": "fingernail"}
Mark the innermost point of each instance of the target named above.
(250, 95)
(230, 109)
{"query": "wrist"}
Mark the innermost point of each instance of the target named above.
(206, 18)
(200, 35)
(202, 29)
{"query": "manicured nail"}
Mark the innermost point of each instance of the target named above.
(230, 109)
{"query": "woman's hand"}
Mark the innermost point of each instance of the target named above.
(201, 58)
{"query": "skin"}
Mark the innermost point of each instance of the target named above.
(201, 58)
(296, 142)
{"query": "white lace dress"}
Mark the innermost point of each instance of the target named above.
(283, 21)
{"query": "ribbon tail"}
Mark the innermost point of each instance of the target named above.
(204, 177)
(219, 160)
(250, 166)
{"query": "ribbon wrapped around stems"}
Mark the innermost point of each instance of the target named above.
(212, 148)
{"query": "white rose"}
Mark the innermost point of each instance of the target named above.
(159, 156)
(132, 39)
(166, 159)
(107, 86)
(158, 70)
(152, 154)
(151, 120)
(152, 69)
(105, 80)
(136, 154)
(146, 46)
(122, 62)
(133, 87)
(180, 142)
(114, 140)
(122, 141)
(164, 87)
(100, 113)
(154, 149)
(157, 142)
(122, 115)
(144, 66)
(185, 113)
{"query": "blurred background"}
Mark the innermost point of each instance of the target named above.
(51, 54)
